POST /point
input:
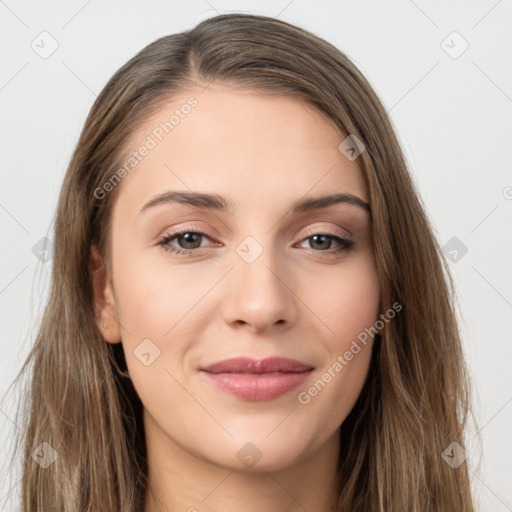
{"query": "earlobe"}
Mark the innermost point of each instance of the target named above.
(104, 306)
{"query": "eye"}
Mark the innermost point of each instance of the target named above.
(190, 237)
(323, 242)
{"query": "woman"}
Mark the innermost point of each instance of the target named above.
(249, 309)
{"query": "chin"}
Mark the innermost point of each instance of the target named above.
(259, 453)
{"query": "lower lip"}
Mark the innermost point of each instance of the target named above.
(258, 387)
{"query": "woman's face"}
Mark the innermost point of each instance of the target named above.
(261, 279)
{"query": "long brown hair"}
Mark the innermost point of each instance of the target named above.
(416, 399)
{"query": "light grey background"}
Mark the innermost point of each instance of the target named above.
(452, 114)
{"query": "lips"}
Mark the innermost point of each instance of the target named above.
(257, 379)
(257, 366)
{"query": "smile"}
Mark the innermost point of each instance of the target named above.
(257, 380)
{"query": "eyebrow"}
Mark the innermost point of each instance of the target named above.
(216, 202)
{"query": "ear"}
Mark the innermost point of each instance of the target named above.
(104, 306)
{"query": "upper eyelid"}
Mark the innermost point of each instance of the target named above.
(329, 232)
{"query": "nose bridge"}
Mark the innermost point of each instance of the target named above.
(260, 294)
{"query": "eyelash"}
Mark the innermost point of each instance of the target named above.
(345, 245)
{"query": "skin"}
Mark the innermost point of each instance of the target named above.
(299, 299)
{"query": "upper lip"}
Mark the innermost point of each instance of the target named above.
(248, 365)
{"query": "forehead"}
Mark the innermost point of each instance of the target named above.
(248, 146)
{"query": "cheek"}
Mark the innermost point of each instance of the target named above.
(347, 302)
(155, 296)
(349, 307)
(156, 305)
(166, 304)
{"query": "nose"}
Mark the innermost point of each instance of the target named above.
(259, 294)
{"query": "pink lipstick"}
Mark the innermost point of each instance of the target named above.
(257, 380)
